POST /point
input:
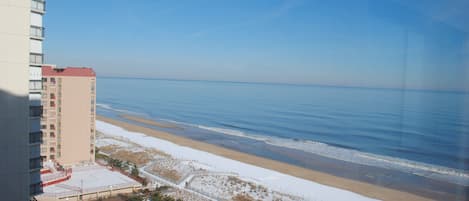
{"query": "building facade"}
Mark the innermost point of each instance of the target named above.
(68, 123)
(36, 60)
(20, 135)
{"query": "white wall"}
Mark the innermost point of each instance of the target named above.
(36, 19)
(14, 115)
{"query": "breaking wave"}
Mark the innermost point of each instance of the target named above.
(108, 107)
(437, 172)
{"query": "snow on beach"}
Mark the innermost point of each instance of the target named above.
(269, 178)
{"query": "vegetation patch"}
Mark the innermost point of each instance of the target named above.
(242, 197)
(138, 158)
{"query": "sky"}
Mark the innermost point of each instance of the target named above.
(388, 43)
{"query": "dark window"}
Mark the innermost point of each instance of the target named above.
(35, 137)
(35, 111)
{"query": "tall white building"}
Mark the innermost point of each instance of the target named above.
(21, 57)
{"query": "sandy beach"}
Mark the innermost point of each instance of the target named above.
(365, 189)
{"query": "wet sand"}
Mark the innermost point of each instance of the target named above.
(367, 189)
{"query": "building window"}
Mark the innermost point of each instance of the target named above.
(52, 157)
(52, 80)
(52, 104)
(43, 126)
(52, 134)
(44, 79)
(52, 127)
(52, 96)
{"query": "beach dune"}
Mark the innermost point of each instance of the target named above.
(312, 185)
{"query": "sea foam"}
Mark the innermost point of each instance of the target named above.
(437, 172)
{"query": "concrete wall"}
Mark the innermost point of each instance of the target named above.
(14, 108)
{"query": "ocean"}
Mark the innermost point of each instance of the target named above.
(425, 133)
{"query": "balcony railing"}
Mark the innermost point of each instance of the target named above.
(35, 137)
(38, 6)
(35, 111)
(36, 59)
(35, 163)
(37, 32)
(35, 85)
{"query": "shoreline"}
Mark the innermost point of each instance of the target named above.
(362, 188)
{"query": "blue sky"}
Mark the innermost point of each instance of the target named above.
(351, 43)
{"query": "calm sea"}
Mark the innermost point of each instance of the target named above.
(408, 129)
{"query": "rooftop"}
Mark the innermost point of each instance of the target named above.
(92, 179)
(69, 71)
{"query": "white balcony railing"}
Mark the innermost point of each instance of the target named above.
(36, 59)
(36, 32)
(38, 6)
(35, 85)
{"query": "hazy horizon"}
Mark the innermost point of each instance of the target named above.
(391, 44)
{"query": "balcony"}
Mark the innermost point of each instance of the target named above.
(35, 151)
(35, 164)
(38, 6)
(36, 59)
(35, 111)
(35, 137)
(34, 99)
(36, 32)
(35, 86)
(52, 104)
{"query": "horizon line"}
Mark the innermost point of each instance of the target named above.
(290, 84)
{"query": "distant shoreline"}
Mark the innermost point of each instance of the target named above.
(359, 187)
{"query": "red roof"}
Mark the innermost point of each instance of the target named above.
(69, 71)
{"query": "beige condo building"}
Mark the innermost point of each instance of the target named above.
(68, 122)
